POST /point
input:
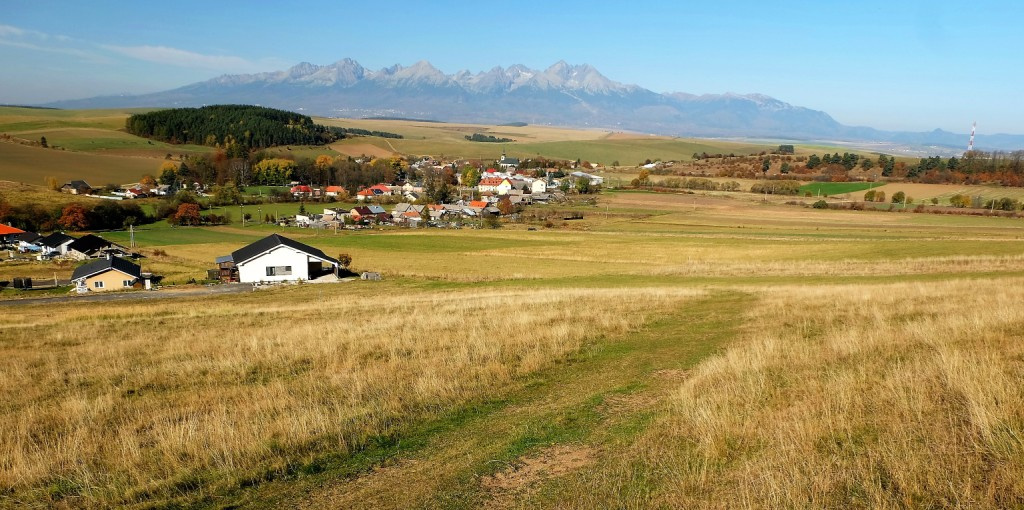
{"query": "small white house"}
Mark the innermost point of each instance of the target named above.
(539, 186)
(278, 259)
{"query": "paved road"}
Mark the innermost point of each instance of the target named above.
(130, 296)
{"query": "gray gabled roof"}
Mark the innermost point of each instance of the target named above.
(56, 239)
(272, 241)
(29, 237)
(99, 266)
(89, 244)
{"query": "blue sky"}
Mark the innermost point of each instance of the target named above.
(911, 65)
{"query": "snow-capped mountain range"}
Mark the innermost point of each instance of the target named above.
(563, 94)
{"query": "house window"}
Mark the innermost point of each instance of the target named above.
(279, 270)
(98, 285)
(127, 283)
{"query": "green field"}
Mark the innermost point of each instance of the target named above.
(31, 165)
(837, 188)
(16, 120)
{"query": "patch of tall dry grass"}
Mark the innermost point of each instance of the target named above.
(884, 396)
(957, 264)
(113, 404)
(906, 395)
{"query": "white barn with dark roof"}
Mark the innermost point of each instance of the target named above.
(278, 259)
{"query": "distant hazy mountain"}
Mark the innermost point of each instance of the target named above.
(563, 94)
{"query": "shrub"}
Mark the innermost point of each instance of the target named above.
(820, 204)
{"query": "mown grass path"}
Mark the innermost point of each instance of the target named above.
(588, 407)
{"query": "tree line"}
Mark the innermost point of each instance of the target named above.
(103, 215)
(480, 137)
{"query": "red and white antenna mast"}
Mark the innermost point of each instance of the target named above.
(970, 144)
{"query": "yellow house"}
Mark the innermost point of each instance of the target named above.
(112, 273)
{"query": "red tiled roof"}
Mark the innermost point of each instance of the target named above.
(478, 203)
(301, 189)
(7, 230)
(334, 189)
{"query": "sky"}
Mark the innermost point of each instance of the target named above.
(896, 65)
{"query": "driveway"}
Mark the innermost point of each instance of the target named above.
(130, 296)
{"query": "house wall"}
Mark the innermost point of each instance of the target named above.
(255, 270)
(112, 280)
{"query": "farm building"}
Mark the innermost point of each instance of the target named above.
(226, 270)
(56, 244)
(111, 273)
(92, 246)
(29, 241)
(276, 258)
(76, 188)
(9, 234)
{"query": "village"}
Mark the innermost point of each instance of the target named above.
(104, 265)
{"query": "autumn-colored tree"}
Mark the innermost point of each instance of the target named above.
(147, 182)
(5, 210)
(344, 259)
(187, 214)
(323, 162)
(72, 217)
(168, 172)
(470, 176)
(52, 183)
(505, 206)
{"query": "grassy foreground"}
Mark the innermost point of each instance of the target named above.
(666, 351)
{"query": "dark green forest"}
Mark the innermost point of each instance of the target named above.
(479, 137)
(238, 128)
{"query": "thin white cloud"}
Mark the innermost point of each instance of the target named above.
(40, 41)
(9, 31)
(17, 37)
(183, 58)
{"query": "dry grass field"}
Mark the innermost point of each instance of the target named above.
(203, 395)
(700, 350)
(665, 351)
(891, 395)
(31, 165)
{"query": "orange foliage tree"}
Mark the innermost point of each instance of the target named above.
(187, 214)
(72, 217)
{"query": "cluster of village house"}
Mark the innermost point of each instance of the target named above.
(274, 258)
(495, 185)
(80, 187)
(110, 267)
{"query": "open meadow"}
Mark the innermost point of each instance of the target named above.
(667, 350)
